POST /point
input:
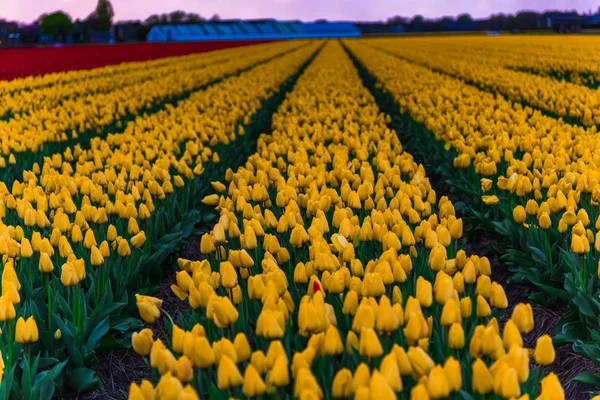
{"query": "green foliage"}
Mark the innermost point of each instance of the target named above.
(101, 19)
(57, 23)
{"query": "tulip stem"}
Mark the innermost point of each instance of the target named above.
(49, 302)
(10, 344)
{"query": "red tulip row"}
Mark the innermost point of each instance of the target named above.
(20, 63)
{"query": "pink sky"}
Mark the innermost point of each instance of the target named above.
(28, 10)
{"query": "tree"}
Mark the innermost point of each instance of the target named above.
(445, 23)
(102, 17)
(464, 19)
(57, 23)
(416, 22)
(397, 20)
(164, 19)
(177, 17)
(154, 19)
(527, 20)
(215, 18)
(194, 18)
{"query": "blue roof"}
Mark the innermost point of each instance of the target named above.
(237, 29)
(265, 27)
(329, 27)
(252, 30)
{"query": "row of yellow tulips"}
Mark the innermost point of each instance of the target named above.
(569, 58)
(561, 98)
(531, 178)
(63, 111)
(71, 228)
(335, 271)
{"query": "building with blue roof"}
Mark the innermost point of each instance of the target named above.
(252, 30)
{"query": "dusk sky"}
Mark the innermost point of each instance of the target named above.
(308, 10)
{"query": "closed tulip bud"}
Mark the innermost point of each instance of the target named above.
(207, 245)
(136, 393)
(544, 351)
(26, 249)
(551, 388)
(512, 336)
(228, 375)
(519, 214)
(258, 361)
(132, 226)
(379, 388)
(498, 296)
(373, 285)
(350, 303)
(396, 295)
(96, 258)
(218, 233)
(522, 316)
(458, 281)
(7, 309)
(332, 344)
(443, 287)
(228, 275)
(184, 370)
(10, 291)
(124, 250)
(68, 275)
(437, 258)
(142, 341)
(483, 308)
(453, 373)
(279, 375)
(90, 239)
(420, 361)
(253, 384)
(387, 319)
(225, 313)
(404, 366)
(200, 352)
(362, 393)
(389, 369)
(437, 384)
(466, 307)
(104, 249)
(412, 330)
(483, 381)
(456, 229)
(169, 387)
(138, 240)
(507, 383)
(352, 342)
(424, 292)
(456, 336)
(342, 384)
(370, 346)
(419, 392)
(544, 221)
(45, 264)
(148, 307)
(577, 245)
(26, 331)
(249, 241)
(242, 347)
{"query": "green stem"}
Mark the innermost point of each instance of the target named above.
(49, 289)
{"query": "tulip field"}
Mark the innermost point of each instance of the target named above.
(312, 179)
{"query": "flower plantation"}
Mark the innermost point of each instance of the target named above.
(331, 267)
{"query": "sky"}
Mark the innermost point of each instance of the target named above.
(306, 10)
